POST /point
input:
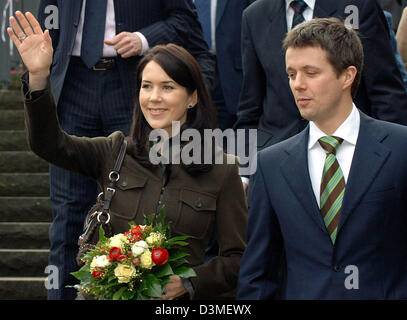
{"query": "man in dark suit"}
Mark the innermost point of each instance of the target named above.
(221, 22)
(328, 216)
(97, 47)
(267, 104)
(395, 7)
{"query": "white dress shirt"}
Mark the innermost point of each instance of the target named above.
(110, 32)
(214, 3)
(308, 12)
(349, 132)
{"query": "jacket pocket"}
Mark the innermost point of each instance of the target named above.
(129, 190)
(196, 213)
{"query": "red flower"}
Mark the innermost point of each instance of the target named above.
(121, 258)
(159, 256)
(114, 253)
(136, 261)
(97, 273)
(136, 233)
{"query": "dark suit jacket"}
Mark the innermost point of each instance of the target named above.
(194, 204)
(228, 49)
(160, 21)
(266, 101)
(286, 228)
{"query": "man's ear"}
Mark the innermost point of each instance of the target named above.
(349, 76)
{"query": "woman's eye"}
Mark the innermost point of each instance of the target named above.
(168, 87)
(145, 86)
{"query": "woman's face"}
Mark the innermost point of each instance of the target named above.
(162, 100)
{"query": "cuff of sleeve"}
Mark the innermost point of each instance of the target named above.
(188, 286)
(245, 180)
(25, 89)
(144, 43)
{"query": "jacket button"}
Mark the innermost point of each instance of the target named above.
(124, 183)
(198, 204)
(337, 268)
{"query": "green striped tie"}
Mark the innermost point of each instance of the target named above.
(332, 186)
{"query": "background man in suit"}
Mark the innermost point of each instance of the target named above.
(221, 22)
(328, 216)
(395, 7)
(267, 104)
(96, 50)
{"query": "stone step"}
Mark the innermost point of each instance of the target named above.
(25, 209)
(23, 262)
(24, 235)
(12, 120)
(11, 99)
(15, 81)
(19, 288)
(24, 184)
(22, 161)
(13, 140)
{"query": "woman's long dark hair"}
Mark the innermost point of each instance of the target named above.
(182, 67)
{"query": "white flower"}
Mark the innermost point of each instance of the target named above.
(139, 247)
(118, 240)
(99, 262)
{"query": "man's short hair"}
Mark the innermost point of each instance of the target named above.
(341, 43)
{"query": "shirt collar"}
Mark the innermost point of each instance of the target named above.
(348, 130)
(310, 3)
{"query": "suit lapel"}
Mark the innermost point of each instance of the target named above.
(275, 34)
(325, 8)
(220, 9)
(295, 171)
(368, 159)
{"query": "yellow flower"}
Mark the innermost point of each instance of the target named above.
(118, 240)
(145, 260)
(124, 273)
(155, 239)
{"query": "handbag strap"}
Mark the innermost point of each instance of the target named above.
(114, 176)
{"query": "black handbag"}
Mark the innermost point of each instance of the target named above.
(99, 215)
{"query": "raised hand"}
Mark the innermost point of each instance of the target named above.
(34, 45)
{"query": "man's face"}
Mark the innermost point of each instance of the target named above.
(318, 91)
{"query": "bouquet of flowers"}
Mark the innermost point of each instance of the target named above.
(135, 265)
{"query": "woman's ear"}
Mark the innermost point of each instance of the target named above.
(194, 99)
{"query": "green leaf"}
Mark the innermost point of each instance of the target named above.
(177, 255)
(152, 286)
(102, 237)
(185, 272)
(163, 271)
(83, 274)
(180, 243)
(180, 238)
(118, 294)
(127, 295)
(141, 296)
(179, 262)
